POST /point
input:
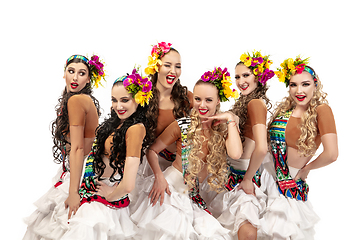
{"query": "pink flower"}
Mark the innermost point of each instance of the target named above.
(147, 86)
(165, 47)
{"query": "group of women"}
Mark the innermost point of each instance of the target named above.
(168, 164)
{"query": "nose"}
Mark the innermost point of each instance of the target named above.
(172, 69)
(202, 104)
(299, 89)
(118, 106)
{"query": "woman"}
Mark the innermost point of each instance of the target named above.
(181, 213)
(73, 134)
(171, 100)
(113, 163)
(300, 123)
(239, 208)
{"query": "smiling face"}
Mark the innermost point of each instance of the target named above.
(206, 99)
(76, 76)
(122, 102)
(245, 79)
(169, 71)
(302, 88)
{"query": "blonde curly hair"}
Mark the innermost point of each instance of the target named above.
(216, 160)
(309, 130)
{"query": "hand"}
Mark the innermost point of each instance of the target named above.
(220, 117)
(73, 203)
(104, 190)
(158, 190)
(302, 174)
(247, 186)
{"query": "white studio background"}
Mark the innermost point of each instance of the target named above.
(38, 36)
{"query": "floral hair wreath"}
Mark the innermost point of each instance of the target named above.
(290, 67)
(157, 52)
(260, 65)
(139, 87)
(96, 68)
(221, 79)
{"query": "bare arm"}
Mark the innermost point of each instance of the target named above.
(258, 155)
(76, 166)
(127, 183)
(160, 183)
(329, 155)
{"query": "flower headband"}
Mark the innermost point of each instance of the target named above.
(221, 79)
(259, 65)
(96, 68)
(157, 52)
(139, 87)
(290, 67)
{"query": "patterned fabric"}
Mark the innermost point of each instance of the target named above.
(88, 188)
(236, 176)
(169, 156)
(286, 185)
(63, 159)
(194, 193)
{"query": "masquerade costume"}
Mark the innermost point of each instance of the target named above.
(289, 214)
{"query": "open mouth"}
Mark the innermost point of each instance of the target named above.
(203, 111)
(244, 87)
(170, 79)
(121, 112)
(300, 98)
(74, 85)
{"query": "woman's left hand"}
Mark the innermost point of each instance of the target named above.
(104, 190)
(302, 174)
(247, 186)
(222, 118)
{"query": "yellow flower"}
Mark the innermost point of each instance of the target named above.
(228, 92)
(243, 57)
(226, 82)
(280, 75)
(235, 94)
(248, 62)
(142, 98)
(153, 66)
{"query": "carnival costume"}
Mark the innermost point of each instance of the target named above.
(98, 218)
(233, 207)
(165, 116)
(184, 214)
(50, 219)
(289, 214)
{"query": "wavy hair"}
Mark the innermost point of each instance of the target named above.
(178, 96)
(240, 106)
(118, 148)
(60, 126)
(216, 160)
(308, 127)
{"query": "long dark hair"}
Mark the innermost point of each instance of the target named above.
(60, 126)
(240, 106)
(118, 148)
(178, 96)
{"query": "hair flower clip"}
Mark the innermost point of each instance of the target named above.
(157, 52)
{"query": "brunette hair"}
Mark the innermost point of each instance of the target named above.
(240, 106)
(118, 148)
(309, 130)
(60, 126)
(178, 96)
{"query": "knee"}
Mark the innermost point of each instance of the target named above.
(247, 232)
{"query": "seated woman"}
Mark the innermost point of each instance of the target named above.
(112, 165)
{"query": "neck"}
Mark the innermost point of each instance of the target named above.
(299, 110)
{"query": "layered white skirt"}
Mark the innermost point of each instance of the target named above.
(95, 221)
(50, 219)
(177, 218)
(285, 218)
(234, 208)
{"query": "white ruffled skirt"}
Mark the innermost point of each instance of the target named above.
(50, 219)
(178, 217)
(95, 221)
(234, 208)
(285, 218)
